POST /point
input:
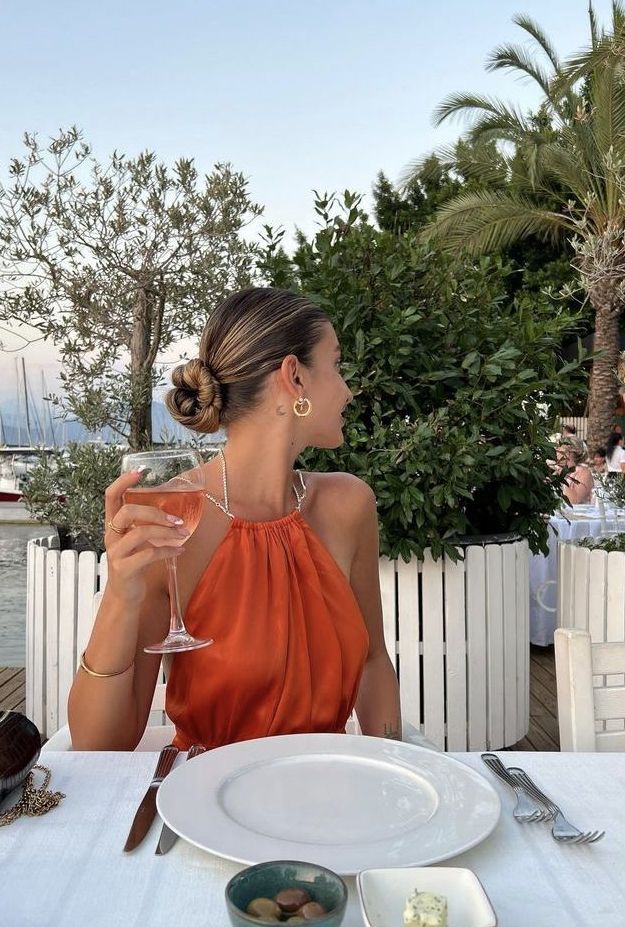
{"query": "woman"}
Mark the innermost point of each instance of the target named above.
(615, 453)
(571, 456)
(285, 579)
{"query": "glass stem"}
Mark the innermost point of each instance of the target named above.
(176, 624)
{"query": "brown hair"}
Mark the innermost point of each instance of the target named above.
(245, 338)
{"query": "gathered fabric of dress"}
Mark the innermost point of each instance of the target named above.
(290, 640)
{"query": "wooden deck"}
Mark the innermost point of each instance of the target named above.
(12, 689)
(542, 734)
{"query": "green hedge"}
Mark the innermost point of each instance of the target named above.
(456, 387)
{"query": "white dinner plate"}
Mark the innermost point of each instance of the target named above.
(383, 894)
(344, 802)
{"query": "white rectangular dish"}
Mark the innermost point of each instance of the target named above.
(383, 893)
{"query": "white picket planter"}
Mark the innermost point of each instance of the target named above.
(458, 635)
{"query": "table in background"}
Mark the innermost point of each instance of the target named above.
(544, 569)
(68, 869)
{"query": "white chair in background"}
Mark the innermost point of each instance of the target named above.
(590, 681)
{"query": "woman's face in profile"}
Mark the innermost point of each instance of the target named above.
(329, 393)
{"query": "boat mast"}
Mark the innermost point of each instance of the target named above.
(30, 439)
(19, 404)
(48, 404)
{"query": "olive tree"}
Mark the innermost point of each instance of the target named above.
(114, 262)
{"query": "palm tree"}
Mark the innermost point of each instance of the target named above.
(560, 175)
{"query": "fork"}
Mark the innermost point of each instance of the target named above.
(562, 830)
(526, 810)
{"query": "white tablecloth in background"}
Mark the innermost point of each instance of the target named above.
(67, 869)
(542, 569)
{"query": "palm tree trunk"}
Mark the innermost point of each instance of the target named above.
(603, 382)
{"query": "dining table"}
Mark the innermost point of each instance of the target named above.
(67, 867)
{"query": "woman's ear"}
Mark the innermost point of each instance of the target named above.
(290, 375)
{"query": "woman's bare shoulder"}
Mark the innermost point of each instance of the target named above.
(342, 491)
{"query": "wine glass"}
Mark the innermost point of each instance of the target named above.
(173, 481)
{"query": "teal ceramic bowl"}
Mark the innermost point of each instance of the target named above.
(265, 880)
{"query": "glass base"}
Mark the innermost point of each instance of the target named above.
(177, 643)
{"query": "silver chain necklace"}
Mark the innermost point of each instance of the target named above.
(224, 504)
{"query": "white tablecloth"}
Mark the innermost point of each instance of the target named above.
(67, 869)
(545, 568)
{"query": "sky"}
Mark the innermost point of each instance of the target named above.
(297, 95)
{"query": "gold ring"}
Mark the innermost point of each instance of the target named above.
(114, 528)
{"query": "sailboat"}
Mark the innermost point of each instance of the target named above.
(15, 466)
(11, 482)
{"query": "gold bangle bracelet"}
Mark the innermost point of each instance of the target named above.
(87, 669)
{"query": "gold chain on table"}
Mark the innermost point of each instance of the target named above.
(34, 801)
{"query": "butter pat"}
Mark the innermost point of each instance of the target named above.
(423, 909)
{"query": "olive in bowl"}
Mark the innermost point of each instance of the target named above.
(286, 892)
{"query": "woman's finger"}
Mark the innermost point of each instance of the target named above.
(129, 515)
(113, 496)
(148, 535)
(146, 557)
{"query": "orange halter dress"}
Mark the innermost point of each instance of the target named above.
(290, 640)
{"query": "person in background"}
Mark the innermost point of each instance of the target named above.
(615, 453)
(570, 431)
(618, 419)
(571, 457)
(598, 463)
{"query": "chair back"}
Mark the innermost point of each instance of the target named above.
(590, 681)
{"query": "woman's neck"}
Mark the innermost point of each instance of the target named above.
(259, 469)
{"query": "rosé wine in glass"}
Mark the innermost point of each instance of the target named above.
(172, 480)
(184, 502)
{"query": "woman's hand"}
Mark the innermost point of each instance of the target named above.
(141, 537)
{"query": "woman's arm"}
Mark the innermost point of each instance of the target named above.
(377, 704)
(110, 711)
(578, 487)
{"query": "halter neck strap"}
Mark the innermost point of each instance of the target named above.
(224, 505)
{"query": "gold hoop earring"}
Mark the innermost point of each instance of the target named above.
(302, 407)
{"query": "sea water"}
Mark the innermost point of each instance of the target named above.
(13, 542)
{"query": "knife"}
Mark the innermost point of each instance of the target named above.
(168, 837)
(147, 809)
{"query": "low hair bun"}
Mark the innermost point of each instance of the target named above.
(196, 399)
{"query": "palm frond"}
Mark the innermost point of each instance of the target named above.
(494, 128)
(472, 162)
(418, 166)
(466, 104)
(487, 221)
(515, 58)
(607, 96)
(483, 164)
(618, 16)
(590, 59)
(532, 28)
(565, 169)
